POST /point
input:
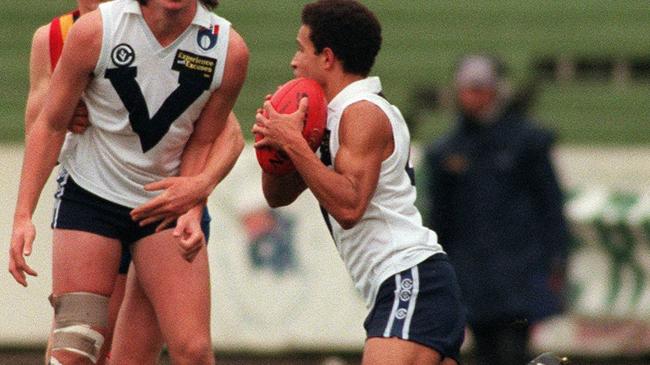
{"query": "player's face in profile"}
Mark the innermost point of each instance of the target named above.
(305, 62)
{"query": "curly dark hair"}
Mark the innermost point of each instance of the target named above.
(348, 28)
(210, 4)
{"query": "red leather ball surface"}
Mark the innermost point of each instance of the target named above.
(285, 100)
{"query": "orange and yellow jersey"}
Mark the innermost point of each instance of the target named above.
(59, 28)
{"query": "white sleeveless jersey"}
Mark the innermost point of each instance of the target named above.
(390, 236)
(143, 101)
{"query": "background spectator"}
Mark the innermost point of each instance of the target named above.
(497, 207)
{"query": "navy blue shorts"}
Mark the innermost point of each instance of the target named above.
(80, 210)
(422, 304)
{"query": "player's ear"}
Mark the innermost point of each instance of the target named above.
(328, 58)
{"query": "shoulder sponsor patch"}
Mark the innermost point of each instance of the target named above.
(189, 62)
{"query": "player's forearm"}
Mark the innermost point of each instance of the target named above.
(41, 152)
(34, 103)
(335, 192)
(211, 160)
(196, 212)
(192, 164)
(35, 100)
(224, 153)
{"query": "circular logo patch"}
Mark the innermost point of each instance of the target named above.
(123, 55)
(407, 284)
(405, 295)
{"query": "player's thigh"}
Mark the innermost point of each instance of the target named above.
(175, 287)
(83, 262)
(137, 336)
(114, 304)
(395, 351)
(86, 246)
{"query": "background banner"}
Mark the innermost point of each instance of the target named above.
(278, 283)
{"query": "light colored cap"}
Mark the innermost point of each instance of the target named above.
(477, 71)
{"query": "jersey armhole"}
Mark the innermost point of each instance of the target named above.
(392, 160)
(102, 60)
(222, 52)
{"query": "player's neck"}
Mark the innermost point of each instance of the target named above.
(337, 82)
(168, 24)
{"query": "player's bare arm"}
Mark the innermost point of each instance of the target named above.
(46, 135)
(39, 76)
(214, 121)
(211, 152)
(365, 141)
(40, 73)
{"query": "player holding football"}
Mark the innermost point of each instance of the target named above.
(364, 184)
(104, 63)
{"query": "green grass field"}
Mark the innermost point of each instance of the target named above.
(422, 40)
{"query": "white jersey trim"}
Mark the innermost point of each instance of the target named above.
(412, 302)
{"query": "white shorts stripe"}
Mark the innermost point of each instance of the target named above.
(412, 302)
(62, 179)
(389, 326)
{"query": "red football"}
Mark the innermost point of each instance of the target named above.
(286, 100)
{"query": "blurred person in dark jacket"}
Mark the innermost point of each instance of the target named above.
(496, 204)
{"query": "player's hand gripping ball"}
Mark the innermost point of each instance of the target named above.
(285, 100)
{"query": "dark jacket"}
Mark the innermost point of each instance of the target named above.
(497, 208)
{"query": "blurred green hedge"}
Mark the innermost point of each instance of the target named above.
(422, 40)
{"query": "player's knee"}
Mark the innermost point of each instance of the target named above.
(192, 351)
(449, 361)
(80, 320)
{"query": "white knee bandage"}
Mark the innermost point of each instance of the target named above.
(74, 316)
